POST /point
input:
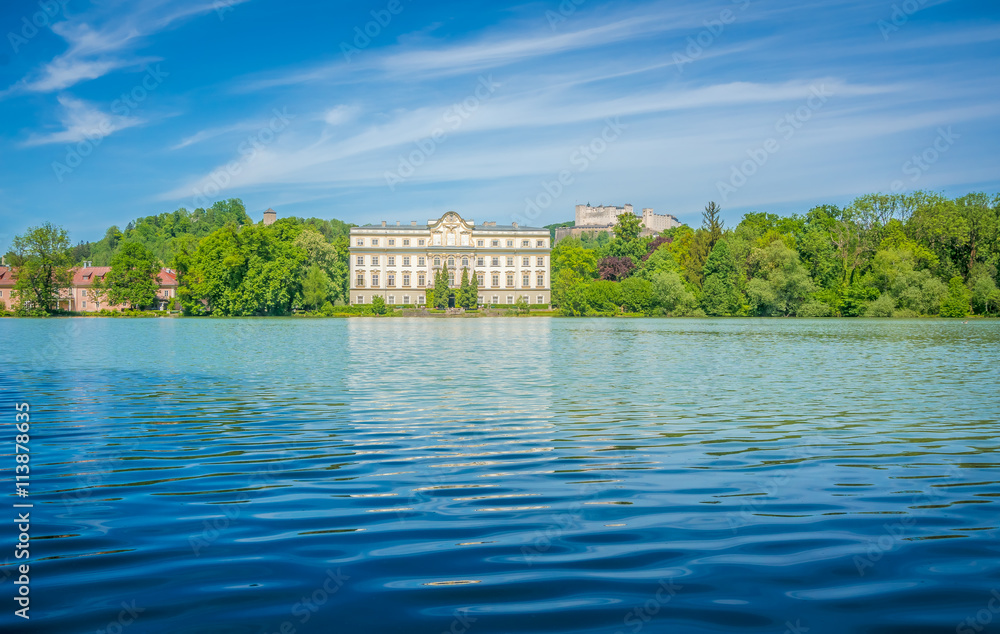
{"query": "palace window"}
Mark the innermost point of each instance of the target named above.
(541, 279)
(361, 260)
(391, 260)
(525, 243)
(406, 242)
(361, 299)
(420, 282)
(437, 239)
(360, 280)
(392, 243)
(540, 243)
(510, 299)
(496, 299)
(496, 280)
(406, 260)
(510, 279)
(480, 299)
(541, 299)
(496, 243)
(541, 260)
(421, 261)
(451, 262)
(479, 243)
(526, 280)
(451, 278)
(392, 300)
(84, 304)
(390, 279)
(465, 262)
(495, 261)
(406, 282)
(360, 242)
(437, 261)
(510, 260)
(421, 242)
(83, 293)
(481, 278)
(510, 243)
(421, 300)
(374, 280)
(374, 260)
(526, 261)
(406, 300)
(374, 242)
(480, 261)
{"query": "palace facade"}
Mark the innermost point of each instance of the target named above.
(399, 262)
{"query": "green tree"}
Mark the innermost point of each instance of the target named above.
(628, 227)
(671, 294)
(133, 278)
(248, 270)
(637, 295)
(462, 297)
(42, 259)
(315, 287)
(957, 302)
(719, 293)
(712, 223)
(781, 284)
(442, 291)
(473, 300)
(378, 305)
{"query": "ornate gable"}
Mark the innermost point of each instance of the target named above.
(451, 230)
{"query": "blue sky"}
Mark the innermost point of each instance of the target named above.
(402, 109)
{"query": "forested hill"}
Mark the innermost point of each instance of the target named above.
(173, 232)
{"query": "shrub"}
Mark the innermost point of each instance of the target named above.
(884, 306)
(814, 308)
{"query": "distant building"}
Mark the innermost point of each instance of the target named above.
(399, 262)
(270, 216)
(79, 298)
(602, 219)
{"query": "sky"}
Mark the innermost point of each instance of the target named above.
(401, 110)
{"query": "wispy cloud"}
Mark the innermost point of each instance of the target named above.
(81, 121)
(104, 40)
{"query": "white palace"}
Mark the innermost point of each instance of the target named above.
(399, 262)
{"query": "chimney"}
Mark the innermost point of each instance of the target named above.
(413, 223)
(397, 223)
(270, 216)
(383, 223)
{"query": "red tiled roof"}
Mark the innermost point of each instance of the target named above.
(85, 276)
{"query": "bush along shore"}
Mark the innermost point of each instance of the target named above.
(883, 255)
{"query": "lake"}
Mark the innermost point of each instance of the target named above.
(507, 475)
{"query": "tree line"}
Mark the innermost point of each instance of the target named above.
(880, 256)
(883, 255)
(225, 264)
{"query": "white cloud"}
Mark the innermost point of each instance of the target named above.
(340, 115)
(81, 120)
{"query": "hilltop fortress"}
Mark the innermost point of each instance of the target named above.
(602, 219)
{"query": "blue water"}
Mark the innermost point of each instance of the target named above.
(506, 475)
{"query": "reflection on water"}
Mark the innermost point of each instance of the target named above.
(499, 475)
